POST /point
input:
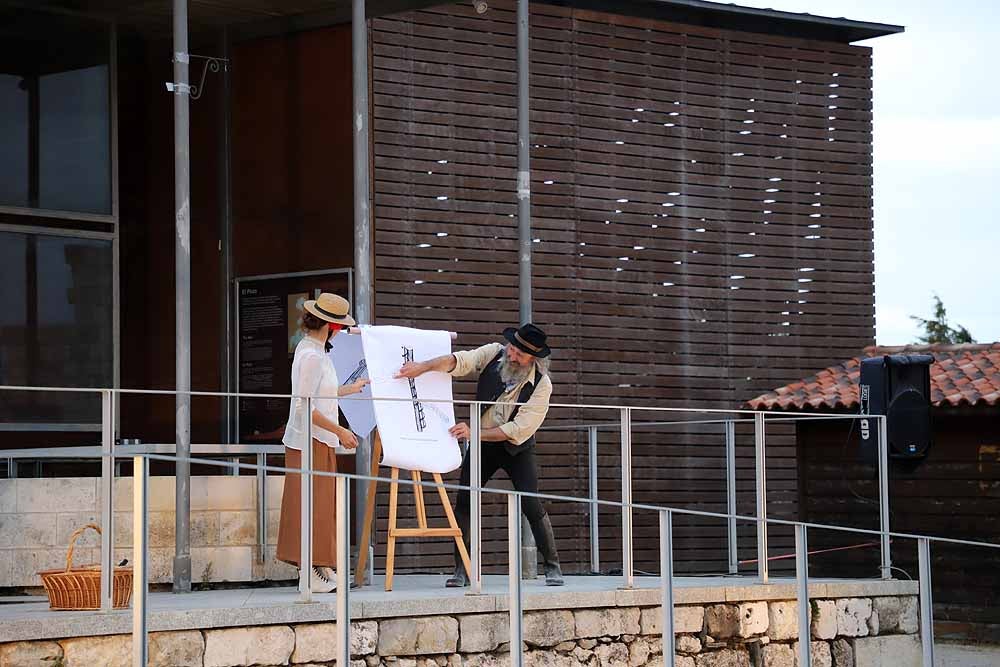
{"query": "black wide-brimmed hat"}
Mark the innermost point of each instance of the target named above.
(528, 338)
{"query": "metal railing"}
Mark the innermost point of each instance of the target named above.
(144, 454)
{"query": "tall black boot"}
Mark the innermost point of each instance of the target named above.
(545, 541)
(460, 578)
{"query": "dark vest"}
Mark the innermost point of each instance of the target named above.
(491, 387)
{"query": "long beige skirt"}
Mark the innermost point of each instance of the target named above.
(324, 509)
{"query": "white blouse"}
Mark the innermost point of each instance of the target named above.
(313, 374)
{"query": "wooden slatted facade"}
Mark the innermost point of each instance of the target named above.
(702, 214)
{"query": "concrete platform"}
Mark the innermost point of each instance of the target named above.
(414, 595)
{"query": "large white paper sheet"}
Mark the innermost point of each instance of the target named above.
(414, 431)
(349, 359)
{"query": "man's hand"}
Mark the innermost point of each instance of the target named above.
(411, 370)
(460, 431)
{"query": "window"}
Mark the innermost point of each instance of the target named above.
(56, 312)
(55, 115)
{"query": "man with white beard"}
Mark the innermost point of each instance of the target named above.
(517, 372)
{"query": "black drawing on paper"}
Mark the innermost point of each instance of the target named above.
(359, 372)
(418, 407)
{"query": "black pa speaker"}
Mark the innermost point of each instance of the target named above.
(899, 387)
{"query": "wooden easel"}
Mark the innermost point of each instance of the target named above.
(422, 529)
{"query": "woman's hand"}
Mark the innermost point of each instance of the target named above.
(354, 387)
(347, 439)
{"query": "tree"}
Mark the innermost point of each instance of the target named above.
(937, 330)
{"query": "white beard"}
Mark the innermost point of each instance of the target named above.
(513, 374)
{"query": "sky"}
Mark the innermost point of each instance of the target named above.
(937, 159)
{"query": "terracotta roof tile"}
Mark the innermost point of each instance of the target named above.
(960, 375)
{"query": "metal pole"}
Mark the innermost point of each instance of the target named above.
(802, 582)
(261, 508)
(627, 564)
(883, 497)
(926, 601)
(761, 487)
(595, 536)
(182, 285)
(107, 499)
(225, 241)
(524, 160)
(475, 502)
(140, 559)
(306, 510)
(343, 571)
(667, 585)
(514, 576)
(364, 278)
(731, 495)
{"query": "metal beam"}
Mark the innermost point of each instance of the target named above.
(364, 278)
(523, 161)
(182, 285)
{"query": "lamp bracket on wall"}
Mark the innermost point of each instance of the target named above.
(211, 63)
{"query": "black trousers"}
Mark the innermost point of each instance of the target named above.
(523, 475)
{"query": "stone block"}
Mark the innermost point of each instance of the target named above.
(223, 492)
(237, 647)
(821, 654)
(274, 486)
(548, 659)
(607, 622)
(482, 633)
(753, 618)
(896, 614)
(726, 657)
(842, 653)
(273, 521)
(783, 620)
(176, 649)
(895, 650)
(27, 562)
(687, 619)
(679, 661)
(237, 528)
(66, 523)
(111, 651)
(317, 642)
(36, 531)
(688, 644)
(852, 617)
(428, 635)
(824, 619)
(30, 654)
(722, 621)
(274, 569)
(6, 567)
(8, 496)
(486, 660)
(222, 564)
(612, 655)
(55, 495)
(778, 655)
(547, 628)
(638, 652)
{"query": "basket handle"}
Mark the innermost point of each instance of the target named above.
(72, 542)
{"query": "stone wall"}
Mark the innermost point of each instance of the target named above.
(37, 517)
(846, 632)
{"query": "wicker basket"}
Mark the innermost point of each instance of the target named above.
(79, 588)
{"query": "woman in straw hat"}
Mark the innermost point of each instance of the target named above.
(313, 374)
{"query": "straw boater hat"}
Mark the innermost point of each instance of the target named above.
(330, 308)
(528, 338)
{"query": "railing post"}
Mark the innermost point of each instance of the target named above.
(107, 499)
(883, 497)
(926, 601)
(761, 487)
(626, 437)
(802, 584)
(667, 585)
(731, 495)
(514, 576)
(595, 536)
(343, 571)
(305, 525)
(140, 559)
(262, 507)
(475, 501)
